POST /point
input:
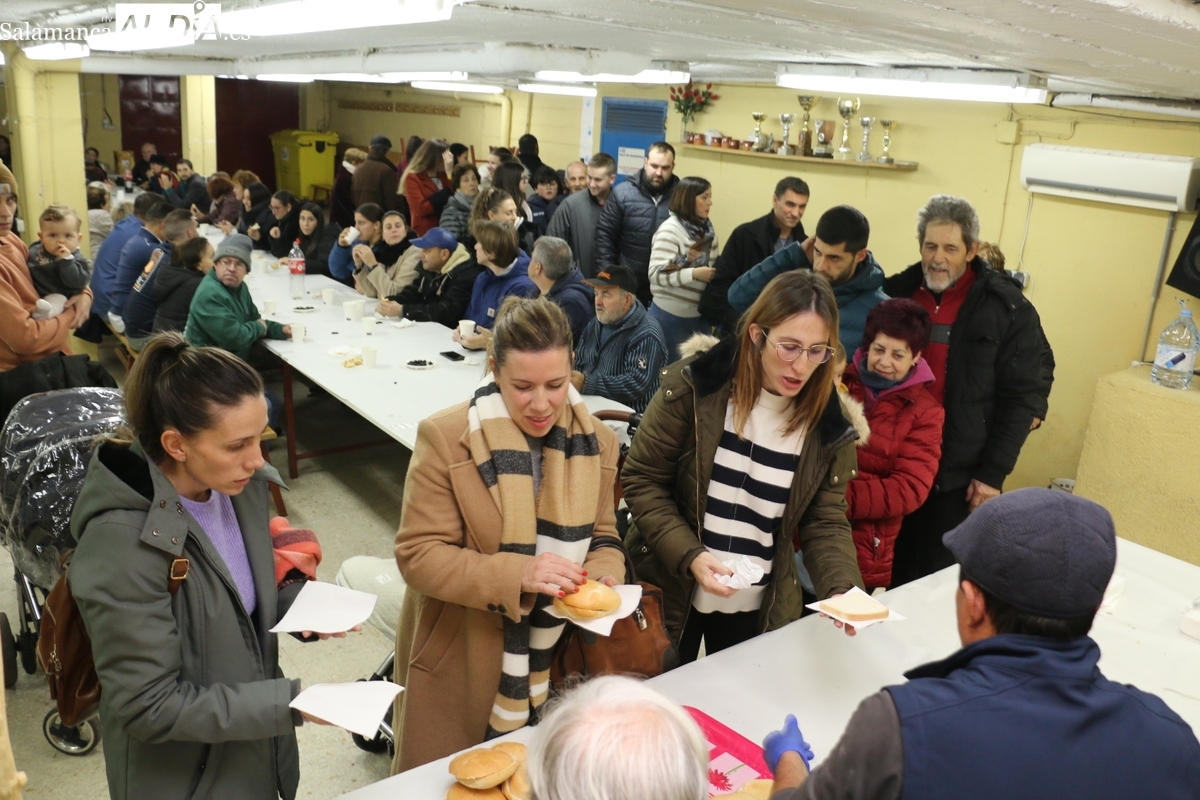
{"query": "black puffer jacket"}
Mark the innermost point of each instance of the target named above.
(627, 225)
(750, 244)
(173, 289)
(998, 375)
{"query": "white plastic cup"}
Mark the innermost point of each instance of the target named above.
(269, 306)
(368, 324)
(297, 332)
(351, 235)
(327, 296)
(466, 327)
(352, 309)
(360, 308)
(370, 355)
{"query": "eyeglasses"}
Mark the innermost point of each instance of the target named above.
(790, 351)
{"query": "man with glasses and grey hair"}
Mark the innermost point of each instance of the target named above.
(992, 370)
(614, 738)
(553, 271)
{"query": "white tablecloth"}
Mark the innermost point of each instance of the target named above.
(815, 671)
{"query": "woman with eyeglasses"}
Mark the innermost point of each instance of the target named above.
(744, 450)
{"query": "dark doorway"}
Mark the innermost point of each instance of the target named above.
(248, 112)
(150, 113)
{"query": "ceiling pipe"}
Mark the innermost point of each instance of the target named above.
(1138, 105)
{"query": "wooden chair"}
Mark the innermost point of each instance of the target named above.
(322, 193)
(125, 352)
(269, 435)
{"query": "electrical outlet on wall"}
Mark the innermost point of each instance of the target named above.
(1022, 278)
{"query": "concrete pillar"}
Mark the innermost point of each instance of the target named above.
(198, 111)
(47, 124)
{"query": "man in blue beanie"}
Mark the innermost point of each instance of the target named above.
(1022, 709)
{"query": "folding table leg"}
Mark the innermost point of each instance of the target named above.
(289, 416)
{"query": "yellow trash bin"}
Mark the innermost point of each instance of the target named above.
(302, 159)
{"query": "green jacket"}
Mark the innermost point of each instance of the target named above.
(192, 699)
(665, 480)
(226, 318)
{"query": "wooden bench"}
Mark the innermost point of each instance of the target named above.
(322, 192)
(125, 352)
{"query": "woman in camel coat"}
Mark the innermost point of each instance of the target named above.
(474, 576)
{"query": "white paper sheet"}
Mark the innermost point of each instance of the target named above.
(860, 624)
(358, 707)
(1116, 587)
(326, 608)
(631, 595)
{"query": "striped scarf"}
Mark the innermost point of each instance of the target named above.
(559, 520)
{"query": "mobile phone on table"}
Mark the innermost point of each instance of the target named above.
(453, 356)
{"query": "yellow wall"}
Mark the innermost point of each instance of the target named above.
(1092, 264)
(96, 92)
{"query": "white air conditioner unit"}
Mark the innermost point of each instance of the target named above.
(1167, 183)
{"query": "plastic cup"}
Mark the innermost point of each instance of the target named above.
(370, 355)
(269, 306)
(351, 236)
(297, 332)
(352, 309)
(368, 324)
(327, 295)
(466, 327)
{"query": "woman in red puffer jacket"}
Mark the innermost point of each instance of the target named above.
(898, 464)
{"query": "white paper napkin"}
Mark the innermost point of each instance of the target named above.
(345, 350)
(745, 572)
(860, 624)
(1116, 587)
(404, 323)
(631, 595)
(326, 608)
(358, 707)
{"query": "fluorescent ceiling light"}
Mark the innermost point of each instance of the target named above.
(645, 76)
(309, 16)
(554, 88)
(936, 84)
(57, 51)
(473, 88)
(283, 78)
(390, 77)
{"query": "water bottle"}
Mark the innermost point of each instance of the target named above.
(1176, 356)
(129, 180)
(296, 267)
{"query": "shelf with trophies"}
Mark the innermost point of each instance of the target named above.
(814, 143)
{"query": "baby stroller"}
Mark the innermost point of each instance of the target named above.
(44, 450)
(381, 577)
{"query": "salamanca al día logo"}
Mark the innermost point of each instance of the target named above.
(134, 26)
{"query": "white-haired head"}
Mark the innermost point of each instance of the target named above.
(614, 738)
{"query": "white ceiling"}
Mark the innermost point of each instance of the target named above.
(1131, 47)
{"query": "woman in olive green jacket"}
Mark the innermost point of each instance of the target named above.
(743, 446)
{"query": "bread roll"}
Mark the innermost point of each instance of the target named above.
(460, 792)
(759, 789)
(592, 601)
(517, 787)
(483, 769)
(855, 607)
(515, 749)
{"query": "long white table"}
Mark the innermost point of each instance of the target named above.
(391, 396)
(815, 671)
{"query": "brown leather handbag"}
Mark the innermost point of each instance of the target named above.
(64, 648)
(638, 646)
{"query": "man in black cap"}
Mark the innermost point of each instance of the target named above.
(621, 351)
(375, 180)
(1021, 711)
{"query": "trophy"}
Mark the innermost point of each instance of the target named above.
(887, 124)
(804, 143)
(866, 123)
(760, 139)
(786, 120)
(847, 108)
(823, 148)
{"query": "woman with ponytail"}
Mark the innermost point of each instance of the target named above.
(504, 497)
(177, 585)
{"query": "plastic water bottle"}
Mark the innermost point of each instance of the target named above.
(1176, 357)
(296, 267)
(129, 180)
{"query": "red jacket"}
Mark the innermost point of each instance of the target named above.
(418, 188)
(896, 466)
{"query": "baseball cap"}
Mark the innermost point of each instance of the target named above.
(437, 237)
(1044, 552)
(617, 275)
(381, 141)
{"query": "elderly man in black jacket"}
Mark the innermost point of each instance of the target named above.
(750, 244)
(633, 213)
(992, 367)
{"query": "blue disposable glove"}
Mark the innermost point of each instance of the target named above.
(787, 738)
